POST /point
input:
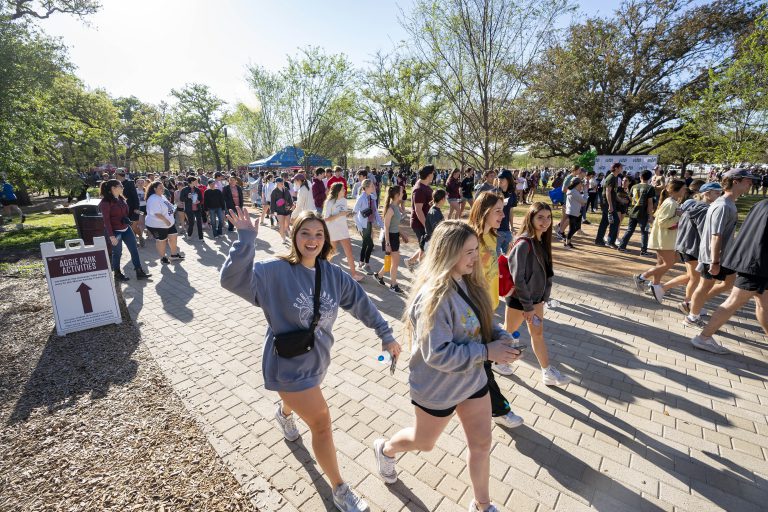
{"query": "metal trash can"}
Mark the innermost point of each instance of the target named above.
(88, 220)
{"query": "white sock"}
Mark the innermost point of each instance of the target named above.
(693, 317)
(544, 369)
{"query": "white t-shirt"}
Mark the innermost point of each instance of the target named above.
(159, 204)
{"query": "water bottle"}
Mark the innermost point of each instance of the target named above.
(384, 358)
(516, 335)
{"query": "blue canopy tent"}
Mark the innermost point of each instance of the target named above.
(289, 156)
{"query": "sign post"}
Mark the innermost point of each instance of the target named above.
(81, 285)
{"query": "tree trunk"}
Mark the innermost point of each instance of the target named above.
(167, 160)
(216, 156)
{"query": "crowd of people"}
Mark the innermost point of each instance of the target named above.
(463, 265)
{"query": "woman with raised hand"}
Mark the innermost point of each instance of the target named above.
(449, 319)
(300, 294)
(530, 264)
(485, 217)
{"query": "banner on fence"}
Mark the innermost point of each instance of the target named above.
(633, 164)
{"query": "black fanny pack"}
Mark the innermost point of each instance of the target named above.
(295, 343)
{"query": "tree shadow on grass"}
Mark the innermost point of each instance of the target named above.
(78, 364)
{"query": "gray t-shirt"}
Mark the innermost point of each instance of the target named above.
(721, 219)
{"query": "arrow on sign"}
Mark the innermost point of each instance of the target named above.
(85, 296)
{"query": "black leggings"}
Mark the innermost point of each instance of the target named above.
(367, 247)
(574, 225)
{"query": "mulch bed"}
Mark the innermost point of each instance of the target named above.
(88, 421)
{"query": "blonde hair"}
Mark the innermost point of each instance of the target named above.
(433, 280)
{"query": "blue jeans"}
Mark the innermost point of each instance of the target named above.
(503, 239)
(631, 225)
(612, 228)
(126, 237)
(216, 218)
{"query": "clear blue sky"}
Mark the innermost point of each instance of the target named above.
(147, 47)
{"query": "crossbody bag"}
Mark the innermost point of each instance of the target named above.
(295, 343)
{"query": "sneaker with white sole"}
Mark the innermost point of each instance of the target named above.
(286, 423)
(684, 307)
(658, 293)
(552, 377)
(510, 420)
(503, 369)
(489, 508)
(694, 322)
(384, 464)
(346, 500)
(639, 282)
(709, 344)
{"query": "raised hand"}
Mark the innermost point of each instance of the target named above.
(242, 220)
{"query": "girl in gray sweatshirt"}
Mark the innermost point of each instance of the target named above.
(449, 317)
(284, 289)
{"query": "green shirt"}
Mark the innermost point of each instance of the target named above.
(610, 181)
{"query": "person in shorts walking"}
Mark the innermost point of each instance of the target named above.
(161, 223)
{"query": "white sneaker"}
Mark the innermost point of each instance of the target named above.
(694, 322)
(385, 464)
(346, 500)
(552, 377)
(489, 508)
(503, 369)
(510, 420)
(658, 293)
(709, 344)
(286, 423)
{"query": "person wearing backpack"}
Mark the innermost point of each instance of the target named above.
(640, 212)
(530, 267)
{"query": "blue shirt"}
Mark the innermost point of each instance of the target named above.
(8, 194)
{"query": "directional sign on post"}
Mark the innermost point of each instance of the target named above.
(81, 285)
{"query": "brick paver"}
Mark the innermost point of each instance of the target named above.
(648, 423)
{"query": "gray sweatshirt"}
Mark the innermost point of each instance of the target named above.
(690, 227)
(529, 272)
(285, 293)
(447, 363)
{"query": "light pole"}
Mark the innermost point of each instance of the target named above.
(226, 148)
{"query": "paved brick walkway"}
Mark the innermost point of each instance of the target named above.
(649, 423)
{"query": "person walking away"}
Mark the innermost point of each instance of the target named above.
(719, 227)
(453, 188)
(215, 205)
(531, 268)
(304, 200)
(640, 212)
(592, 191)
(366, 215)
(233, 197)
(282, 204)
(319, 191)
(507, 191)
(688, 239)
(335, 213)
(181, 217)
(10, 202)
(575, 200)
(161, 223)
(192, 198)
(485, 217)
(663, 237)
(434, 217)
(132, 198)
(276, 284)
(449, 320)
(560, 232)
(114, 212)
(392, 236)
(467, 187)
(420, 200)
(610, 218)
(747, 255)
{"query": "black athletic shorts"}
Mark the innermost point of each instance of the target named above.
(443, 413)
(514, 303)
(420, 232)
(162, 233)
(394, 242)
(9, 202)
(686, 258)
(724, 272)
(751, 283)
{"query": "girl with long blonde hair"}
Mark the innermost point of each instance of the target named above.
(449, 320)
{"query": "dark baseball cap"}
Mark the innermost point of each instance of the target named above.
(738, 174)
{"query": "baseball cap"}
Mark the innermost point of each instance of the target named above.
(738, 174)
(300, 176)
(211, 181)
(278, 180)
(713, 185)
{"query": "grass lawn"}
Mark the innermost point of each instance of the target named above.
(39, 228)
